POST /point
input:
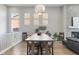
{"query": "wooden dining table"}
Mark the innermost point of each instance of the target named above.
(36, 38)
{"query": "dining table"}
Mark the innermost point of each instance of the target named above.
(39, 38)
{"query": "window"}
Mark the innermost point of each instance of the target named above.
(27, 18)
(36, 19)
(45, 19)
(45, 22)
(15, 23)
(45, 15)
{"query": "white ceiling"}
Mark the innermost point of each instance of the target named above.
(33, 5)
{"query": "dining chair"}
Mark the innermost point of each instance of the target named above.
(32, 48)
(29, 47)
(35, 48)
(50, 47)
(24, 36)
(48, 33)
(44, 48)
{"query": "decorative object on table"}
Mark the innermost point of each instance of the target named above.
(39, 33)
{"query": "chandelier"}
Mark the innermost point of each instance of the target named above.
(39, 9)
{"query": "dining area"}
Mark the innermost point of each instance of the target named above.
(39, 44)
(34, 30)
(39, 29)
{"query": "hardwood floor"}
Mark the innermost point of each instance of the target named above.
(60, 49)
(20, 49)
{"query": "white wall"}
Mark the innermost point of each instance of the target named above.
(54, 13)
(3, 19)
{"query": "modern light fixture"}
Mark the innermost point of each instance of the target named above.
(39, 9)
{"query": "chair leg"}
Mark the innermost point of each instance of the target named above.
(49, 50)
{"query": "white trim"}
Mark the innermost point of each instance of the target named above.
(10, 47)
(73, 27)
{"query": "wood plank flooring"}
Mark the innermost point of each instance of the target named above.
(60, 49)
(20, 49)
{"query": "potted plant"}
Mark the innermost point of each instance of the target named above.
(55, 36)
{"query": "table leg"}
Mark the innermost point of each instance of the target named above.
(33, 48)
(40, 48)
(27, 48)
(52, 48)
(46, 48)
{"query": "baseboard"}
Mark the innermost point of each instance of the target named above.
(3, 51)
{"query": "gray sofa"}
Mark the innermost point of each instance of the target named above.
(72, 43)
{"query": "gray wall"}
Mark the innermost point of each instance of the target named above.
(54, 20)
(3, 19)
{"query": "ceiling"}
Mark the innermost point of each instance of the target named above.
(33, 5)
